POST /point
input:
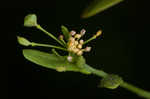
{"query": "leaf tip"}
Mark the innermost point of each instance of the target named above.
(30, 20)
(23, 41)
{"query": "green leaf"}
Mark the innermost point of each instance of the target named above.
(65, 32)
(52, 61)
(98, 6)
(30, 20)
(23, 41)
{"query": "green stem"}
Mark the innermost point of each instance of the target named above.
(96, 71)
(49, 34)
(47, 45)
(92, 38)
(132, 88)
(54, 51)
(64, 43)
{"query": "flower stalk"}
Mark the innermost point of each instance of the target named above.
(47, 45)
(49, 34)
(94, 36)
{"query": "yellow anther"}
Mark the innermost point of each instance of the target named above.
(71, 48)
(77, 36)
(61, 37)
(98, 33)
(76, 43)
(72, 39)
(81, 41)
(70, 44)
(79, 46)
(75, 50)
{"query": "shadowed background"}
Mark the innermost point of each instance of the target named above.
(120, 50)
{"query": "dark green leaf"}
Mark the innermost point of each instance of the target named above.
(52, 61)
(65, 32)
(98, 6)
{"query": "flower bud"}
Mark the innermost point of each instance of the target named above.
(81, 41)
(61, 37)
(76, 43)
(79, 46)
(82, 32)
(98, 33)
(71, 39)
(69, 58)
(72, 32)
(23, 41)
(78, 36)
(75, 50)
(30, 20)
(88, 49)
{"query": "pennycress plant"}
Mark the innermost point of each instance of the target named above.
(72, 43)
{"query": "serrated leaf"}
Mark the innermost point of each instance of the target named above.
(52, 61)
(98, 6)
(65, 32)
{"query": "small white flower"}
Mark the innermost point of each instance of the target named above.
(72, 32)
(69, 58)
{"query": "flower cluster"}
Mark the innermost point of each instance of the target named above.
(75, 43)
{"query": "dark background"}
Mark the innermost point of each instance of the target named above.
(122, 50)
